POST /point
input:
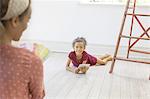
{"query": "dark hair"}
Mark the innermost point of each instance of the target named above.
(79, 39)
(26, 11)
(4, 7)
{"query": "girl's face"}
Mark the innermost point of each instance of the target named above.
(79, 48)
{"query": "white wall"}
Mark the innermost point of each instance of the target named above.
(62, 21)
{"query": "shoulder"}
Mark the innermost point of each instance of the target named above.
(24, 52)
(85, 53)
(71, 54)
(33, 63)
(28, 57)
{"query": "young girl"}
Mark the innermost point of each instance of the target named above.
(80, 56)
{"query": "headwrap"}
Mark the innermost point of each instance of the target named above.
(15, 8)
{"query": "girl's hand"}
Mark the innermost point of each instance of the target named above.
(83, 69)
(76, 70)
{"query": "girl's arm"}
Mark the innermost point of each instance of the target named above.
(70, 68)
(68, 65)
(68, 62)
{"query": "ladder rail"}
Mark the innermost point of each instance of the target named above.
(119, 38)
(131, 29)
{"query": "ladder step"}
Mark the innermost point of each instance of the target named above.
(138, 14)
(144, 52)
(124, 36)
(130, 7)
(132, 60)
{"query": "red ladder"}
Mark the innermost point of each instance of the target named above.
(135, 16)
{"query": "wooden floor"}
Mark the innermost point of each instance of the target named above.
(129, 81)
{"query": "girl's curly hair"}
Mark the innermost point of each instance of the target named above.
(79, 39)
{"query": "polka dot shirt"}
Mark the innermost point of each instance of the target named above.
(21, 74)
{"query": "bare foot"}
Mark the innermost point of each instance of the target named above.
(109, 58)
(105, 56)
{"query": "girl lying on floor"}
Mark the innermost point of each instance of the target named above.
(81, 60)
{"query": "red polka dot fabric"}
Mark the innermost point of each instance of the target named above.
(21, 74)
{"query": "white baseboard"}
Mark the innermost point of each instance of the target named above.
(94, 49)
(67, 47)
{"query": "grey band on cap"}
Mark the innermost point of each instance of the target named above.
(15, 8)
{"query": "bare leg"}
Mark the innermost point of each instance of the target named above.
(105, 56)
(104, 60)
